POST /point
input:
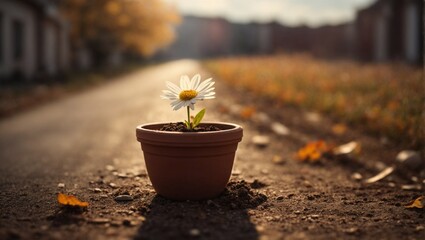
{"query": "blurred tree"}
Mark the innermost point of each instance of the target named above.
(131, 26)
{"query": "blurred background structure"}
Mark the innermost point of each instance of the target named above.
(34, 39)
(45, 38)
(386, 30)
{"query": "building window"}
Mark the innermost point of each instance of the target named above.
(18, 39)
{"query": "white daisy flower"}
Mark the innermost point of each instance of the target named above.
(189, 91)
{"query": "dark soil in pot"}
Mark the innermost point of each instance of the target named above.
(181, 127)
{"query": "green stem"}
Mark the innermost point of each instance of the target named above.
(188, 117)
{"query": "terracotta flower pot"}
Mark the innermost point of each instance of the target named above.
(189, 166)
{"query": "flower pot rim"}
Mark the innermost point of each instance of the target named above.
(149, 133)
(233, 126)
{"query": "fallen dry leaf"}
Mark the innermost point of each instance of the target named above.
(313, 151)
(384, 173)
(339, 129)
(71, 201)
(417, 203)
(348, 148)
(247, 112)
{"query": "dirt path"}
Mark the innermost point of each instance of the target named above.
(270, 196)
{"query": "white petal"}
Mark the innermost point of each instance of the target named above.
(194, 83)
(209, 97)
(175, 102)
(206, 90)
(186, 103)
(203, 85)
(209, 94)
(168, 95)
(206, 95)
(178, 106)
(192, 106)
(184, 82)
(165, 97)
(209, 85)
(174, 88)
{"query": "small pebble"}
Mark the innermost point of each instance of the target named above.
(352, 230)
(116, 223)
(61, 185)
(280, 129)
(194, 232)
(277, 160)
(100, 181)
(410, 159)
(113, 185)
(313, 117)
(261, 140)
(122, 175)
(315, 216)
(97, 190)
(110, 168)
(123, 198)
(262, 118)
(99, 220)
(279, 198)
(357, 176)
(419, 228)
(44, 228)
(260, 228)
(128, 223)
(411, 187)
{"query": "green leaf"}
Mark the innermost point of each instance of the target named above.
(198, 118)
(187, 124)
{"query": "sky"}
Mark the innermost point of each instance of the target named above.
(289, 12)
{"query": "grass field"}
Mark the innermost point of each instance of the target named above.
(385, 99)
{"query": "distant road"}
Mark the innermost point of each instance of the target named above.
(87, 130)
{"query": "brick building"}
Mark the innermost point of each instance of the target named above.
(33, 40)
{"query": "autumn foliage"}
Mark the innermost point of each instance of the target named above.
(139, 26)
(71, 201)
(314, 151)
(384, 99)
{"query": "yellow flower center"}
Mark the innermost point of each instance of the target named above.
(187, 95)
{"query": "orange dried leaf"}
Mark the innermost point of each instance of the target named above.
(71, 201)
(247, 112)
(417, 203)
(313, 151)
